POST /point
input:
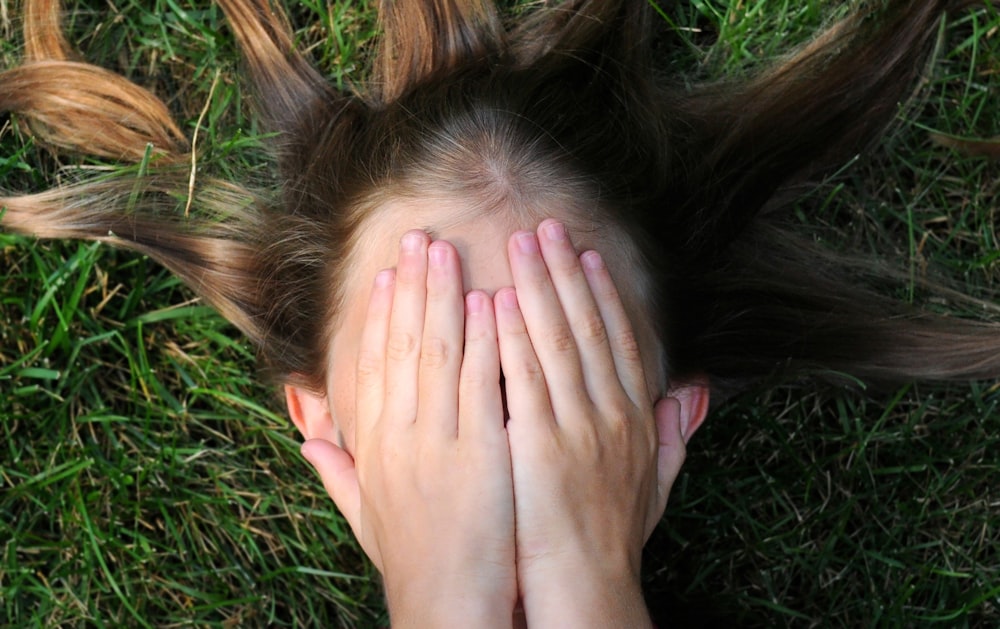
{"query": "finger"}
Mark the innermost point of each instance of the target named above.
(670, 456)
(621, 338)
(441, 345)
(581, 311)
(370, 386)
(402, 350)
(480, 406)
(525, 386)
(549, 332)
(340, 478)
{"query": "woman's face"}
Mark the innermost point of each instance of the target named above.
(481, 242)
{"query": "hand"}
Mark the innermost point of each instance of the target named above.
(583, 436)
(429, 492)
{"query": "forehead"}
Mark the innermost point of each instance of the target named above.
(479, 237)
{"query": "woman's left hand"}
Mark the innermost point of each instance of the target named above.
(590, 474)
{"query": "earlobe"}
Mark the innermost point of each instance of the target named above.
(693, 395)
(310, 413)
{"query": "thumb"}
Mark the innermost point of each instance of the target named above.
(670, 455)
(340, 478)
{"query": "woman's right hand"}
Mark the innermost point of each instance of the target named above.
(429, 491)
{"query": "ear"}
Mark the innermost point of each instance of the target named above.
(693, 395)
(310, 413)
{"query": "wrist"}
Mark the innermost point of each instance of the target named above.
(439, 604)
(582, 595)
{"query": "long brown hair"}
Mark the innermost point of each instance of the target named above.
(565, 100)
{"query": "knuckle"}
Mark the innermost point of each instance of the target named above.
(591, 329)
(527, 371)
(475, 335)
(532, 371)
(434, 353)
(626, 346)
(589, 443)
(560, 338)
(400, 345)
(619, 418)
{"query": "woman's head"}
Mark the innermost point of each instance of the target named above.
(465, 121)
(478, 163)
(470, 137)
(472, 127)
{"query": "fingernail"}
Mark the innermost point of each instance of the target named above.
(508, 298)
(475, 303)
(592, 260)
(438, 254)
(555, 231)
(527, 243)
(411, 242)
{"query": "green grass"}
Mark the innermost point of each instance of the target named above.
(147, 478)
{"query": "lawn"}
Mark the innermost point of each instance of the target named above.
(147, 477)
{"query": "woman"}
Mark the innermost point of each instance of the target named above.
(494, 129)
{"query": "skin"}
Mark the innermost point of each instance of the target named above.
(578, 466)
(480, 241)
